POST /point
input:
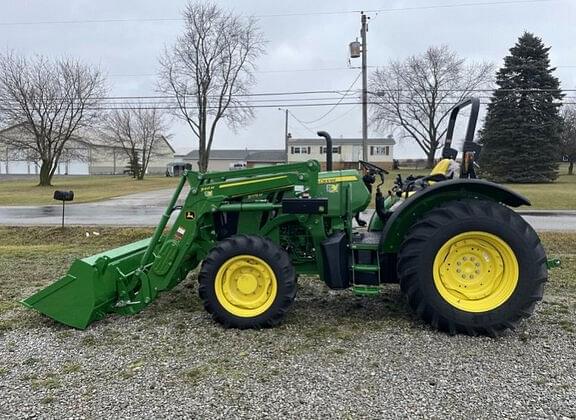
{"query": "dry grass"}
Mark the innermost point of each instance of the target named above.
(22, 192)
(171, 359)
(32, 258)
(559, 195)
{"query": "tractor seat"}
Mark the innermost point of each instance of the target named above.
(446, 167)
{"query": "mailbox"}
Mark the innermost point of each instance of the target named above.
(64, 195)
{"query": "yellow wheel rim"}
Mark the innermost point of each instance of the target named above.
(475, 271)
(245, 286)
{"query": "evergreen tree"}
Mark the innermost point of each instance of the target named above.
(521, 134)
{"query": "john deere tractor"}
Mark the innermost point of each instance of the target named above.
(466, 262)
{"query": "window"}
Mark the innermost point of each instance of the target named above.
(296, 150)
(335, 149)
(379, 150)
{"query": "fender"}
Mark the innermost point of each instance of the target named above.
(421, 202)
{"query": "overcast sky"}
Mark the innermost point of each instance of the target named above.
(305, 52)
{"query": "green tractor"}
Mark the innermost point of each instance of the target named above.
(466, 262)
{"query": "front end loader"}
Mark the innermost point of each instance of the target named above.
(466, 262)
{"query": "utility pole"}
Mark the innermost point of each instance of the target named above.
(286, 134)
(363, 30)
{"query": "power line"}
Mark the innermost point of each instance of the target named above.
(301, 123)
(244, 95)
(335, 105)
(337, 92)
(456, 5)
(285, 99)
(248, 106)
(325, 123)
(315, 69)
(295, 14)
(404, 9)
(307, 70)
(294, 70)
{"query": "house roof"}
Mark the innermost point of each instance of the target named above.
(248, 155)
(388, 141)
(266, 156)
(88, 138)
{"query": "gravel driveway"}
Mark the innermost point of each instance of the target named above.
(335, 356)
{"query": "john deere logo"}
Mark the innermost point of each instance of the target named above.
(190, 215)
(332, 188)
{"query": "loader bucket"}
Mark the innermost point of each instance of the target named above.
(90, 289)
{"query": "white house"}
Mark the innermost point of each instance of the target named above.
(83, 155)
(346, 152)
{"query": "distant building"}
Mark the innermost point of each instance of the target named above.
(107, 160)
(345, 151)
(226, 159)
(83, 155)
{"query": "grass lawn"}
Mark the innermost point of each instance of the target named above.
(33, 257)
(559, 195)
(172, 359)
(22, 192)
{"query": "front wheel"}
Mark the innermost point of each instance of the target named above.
(472, 266)
(247, 282)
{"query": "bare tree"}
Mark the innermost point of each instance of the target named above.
(568, 137)
(415, 95)
(210, 70)
(52, 100)
(137, 132)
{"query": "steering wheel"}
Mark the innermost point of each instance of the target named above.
(371, 168)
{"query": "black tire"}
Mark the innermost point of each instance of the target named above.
(267, 251)
(423, 241)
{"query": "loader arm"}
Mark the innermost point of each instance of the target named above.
(127, 279)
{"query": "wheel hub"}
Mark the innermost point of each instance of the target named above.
(245, 285)
(475, 271)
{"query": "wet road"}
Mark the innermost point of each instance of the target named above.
(145, 209)
(140, 209)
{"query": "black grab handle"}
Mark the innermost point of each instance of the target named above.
(474, 103)
(328, 148)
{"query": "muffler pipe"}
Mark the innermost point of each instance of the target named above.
(328, 148)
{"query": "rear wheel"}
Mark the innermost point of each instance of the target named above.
(247, 282)
(472, 266)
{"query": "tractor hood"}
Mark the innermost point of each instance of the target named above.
(344, 190)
